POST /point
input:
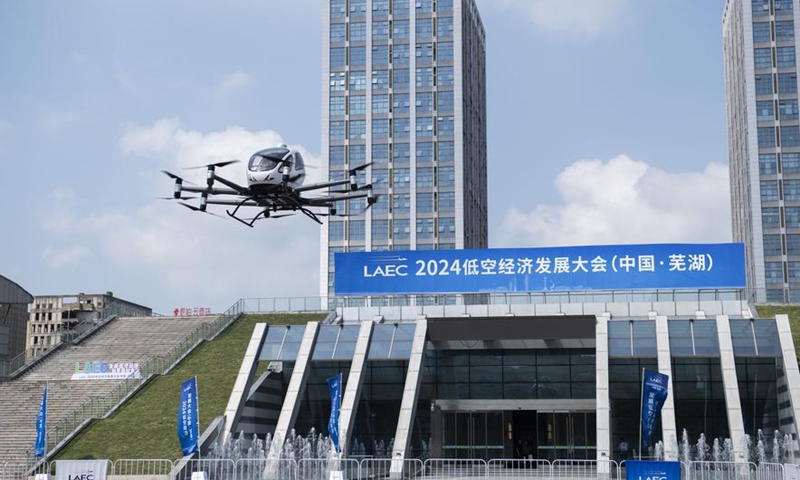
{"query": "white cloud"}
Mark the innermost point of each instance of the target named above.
(626, 201)
(233, 83)
(569, 18)
(56, 257)
(193, 255)
(52, 119)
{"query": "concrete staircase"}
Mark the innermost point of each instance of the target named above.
(125, 340)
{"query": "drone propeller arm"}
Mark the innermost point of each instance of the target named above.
(318, 201)
(317, 186)
(240, 189)
(233, 202)
(211, 191)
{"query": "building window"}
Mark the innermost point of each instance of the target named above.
(444, 26)
(765, 112)
(794, 272)
(445, 127)
(380, 55)
(401, 178)
(358, 81)
(424, 28)
(400, 7)
(769, 190)
(338, 57)
(336, 175)
(400, 78)
(445, 52)
(401, 229)
(425, 52)
(763, 57)
(358, 7)
(787, 83)
(380, 80)
(766, 137)
(380, 131)
(425, 126)
(447, 201)
(358, 105)
(400, 54)
(784, 30)
(356, 230)
(380, 178)
(773, 271)
(764, 84)
(770, 217)
(380, 230)
(380, 104)
(788, 109)
(447, 227)
(425, 202)
(790, 136)
(336, 155)
(380, 7)
(401, 153)
(380, 152)
(444, 102)
(338, 8)
(425, 177)
(424, 6)
(790, 162)
(761, 32)
(786, 57)
(358, 156)
(424, 77)
(338, 82)
(358, 56)
(402, 128)
(358, 130)
(380, 29)
(337, 131)
(425, 228)
(401, 203)
(445, 77)
(336, 231)
(358, 32)
(767, 164)
(446, 152)
(338, 32)
(425, 102)
(447, 177)
(401, 103)
(772, 245)
(792, 217)
(424, 152)
(783, 6)
(381, 205)
(444, 5)
(792, 244)
(337, 106)
(400, 30)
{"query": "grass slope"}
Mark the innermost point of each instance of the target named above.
(146, 426)
(769, 311)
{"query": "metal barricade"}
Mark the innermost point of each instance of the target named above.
(791, 471)
(522, 468)
(455, 468)
(721, 471)
(143, 469)
(576, 469)
(320, 469)
(380, 468)
(52, 468)
(266, 469)
(770, 471)
(17, 470)
(215, 470)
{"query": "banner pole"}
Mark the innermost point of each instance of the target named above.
(641, 402)
(197, 395)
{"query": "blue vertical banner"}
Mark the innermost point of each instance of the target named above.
(335, 386)
(654, 394)
(41, 427)
(188, 417)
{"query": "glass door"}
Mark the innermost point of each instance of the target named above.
(473, 435)
(567, 435)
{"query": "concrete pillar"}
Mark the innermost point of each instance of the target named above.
(355, 380)
(603, 398)
(730, 383)
(669, 432)
(241, 386)
(297, 384)
(790, 370)
(405, 421)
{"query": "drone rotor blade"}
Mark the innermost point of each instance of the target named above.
(215, 165)
(359, 168)
(175, 177)
(173, 198)
(198, 209)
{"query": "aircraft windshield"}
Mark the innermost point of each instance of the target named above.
(262, 164)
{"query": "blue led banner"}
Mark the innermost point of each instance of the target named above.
(188, 417)
(335, 387)
(649, 470)
(608, 267)
(654, 394)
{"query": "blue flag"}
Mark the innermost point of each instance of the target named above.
(188, 413)
(654, 393)
(335, 386)
(41, 427)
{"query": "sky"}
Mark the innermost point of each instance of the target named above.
(606, 125)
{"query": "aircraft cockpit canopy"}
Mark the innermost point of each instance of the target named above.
(267, 160)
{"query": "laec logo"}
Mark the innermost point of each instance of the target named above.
(82, 476)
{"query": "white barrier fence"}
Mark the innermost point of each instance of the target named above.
(379, 469)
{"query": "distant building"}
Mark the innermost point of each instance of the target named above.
(760, 43)
(52, 315)
(14, 302)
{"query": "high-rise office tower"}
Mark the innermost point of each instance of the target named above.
(760, 44)
(405, 89)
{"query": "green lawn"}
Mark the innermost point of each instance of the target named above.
(146, 426)
(769, 311)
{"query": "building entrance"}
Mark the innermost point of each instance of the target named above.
(566, 435)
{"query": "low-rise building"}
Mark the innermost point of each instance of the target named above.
(14, 302)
